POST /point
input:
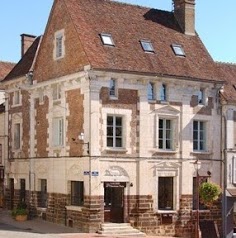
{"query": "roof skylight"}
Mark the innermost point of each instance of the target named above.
(178, 50)
(147, 45)
(107, 39)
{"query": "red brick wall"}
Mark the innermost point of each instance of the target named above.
(75, 121)
(41, 127)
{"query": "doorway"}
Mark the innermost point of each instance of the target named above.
(11, 193)
(114, 202)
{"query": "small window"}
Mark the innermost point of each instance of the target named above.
(163, 92)
(166, 134)
(151, 91)
(147, 46)
(199, 135)
(16, 99)
(58, 131)
(56, 92)
(114, 131)
(112, 90)
(107, 39)
(165, 193)
(77, 193)
(42, 202)
(178, 50)
(59, 47)
(201, 96)
(17, 136)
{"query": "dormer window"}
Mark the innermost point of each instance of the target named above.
(163, 92)
(147, 46)
(178, 50)
(107, 39)
(59, 47)
(151, 91)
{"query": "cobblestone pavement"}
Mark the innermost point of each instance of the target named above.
(37, 228)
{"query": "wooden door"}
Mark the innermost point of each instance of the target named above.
(114, 202)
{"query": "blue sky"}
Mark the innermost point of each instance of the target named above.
(215, 23)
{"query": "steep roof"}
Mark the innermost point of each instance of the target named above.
(128, 24)
(25, 63)
(5, 68)
(228, 73)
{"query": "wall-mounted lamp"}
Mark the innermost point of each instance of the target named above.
(81, 138)
(131, 185)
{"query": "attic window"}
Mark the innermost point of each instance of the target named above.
(107, 39)
(147, 45)
(178, 50)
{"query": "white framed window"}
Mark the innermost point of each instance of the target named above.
(59, 46)
(151, 91)
(199, 135)
(58, 131)
(163, 95)
(107, 39)
(147, 46)
(16, 98)
(16, 136)
(56, 92)
(113, 88)
(166, 134)
(114, 131)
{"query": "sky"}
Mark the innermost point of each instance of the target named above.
(215, 24)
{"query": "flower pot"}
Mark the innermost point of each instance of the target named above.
(21, 217)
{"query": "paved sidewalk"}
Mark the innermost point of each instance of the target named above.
(38, 227)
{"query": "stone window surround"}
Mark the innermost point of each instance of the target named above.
(126, 118)
(170, 172)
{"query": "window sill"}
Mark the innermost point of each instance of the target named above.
(164, 151)
(166, 211)
(16, 105)
(74, 208)
(201, 153)
(116, 149)
(113, 97)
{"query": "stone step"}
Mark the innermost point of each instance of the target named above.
(121, 229)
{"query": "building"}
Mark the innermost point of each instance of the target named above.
(228, 97)
(108, 113)
(5, 68)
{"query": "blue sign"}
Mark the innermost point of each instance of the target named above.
(86, 173)
(95, 173)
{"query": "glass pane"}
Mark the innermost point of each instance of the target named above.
(160, 134)
(107, 40)
(109, 142)
(160, 123)
(118, 142)
(202, 145)
(150, 91)
(118, 131)
(161, 144)
(168, 134)
(201, 135)
(168, 124)
(119, 121)
(109, 131)
(201, 126)
(163, 92)
(195, 145)
(110, 120)
(147, 46)
(195, 135)
(168, 144)
(195, 125)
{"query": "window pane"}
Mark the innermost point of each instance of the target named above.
(163, 92)
(195, 135)
(109, 131)
(110, 121)
(160, 123)
(118, 142)
(150, 91)
(195, 125)
(168, 144)
(77, 193)
(195, 145)
(168, 124)
(161, 144)
(118, 121)
(118, 131)
(109, 142)
(165, 193)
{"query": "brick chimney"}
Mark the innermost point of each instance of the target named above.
(26, 42)
(184, 11)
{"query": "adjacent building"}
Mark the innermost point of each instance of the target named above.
(107, 114)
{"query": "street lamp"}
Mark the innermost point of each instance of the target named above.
(197, 166)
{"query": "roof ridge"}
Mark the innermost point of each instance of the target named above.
(7, 62)
(222, 62)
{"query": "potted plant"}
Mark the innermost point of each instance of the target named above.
(20, 213)
(209, 193)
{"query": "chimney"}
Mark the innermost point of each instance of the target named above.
(26, 42)
(184, 11)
